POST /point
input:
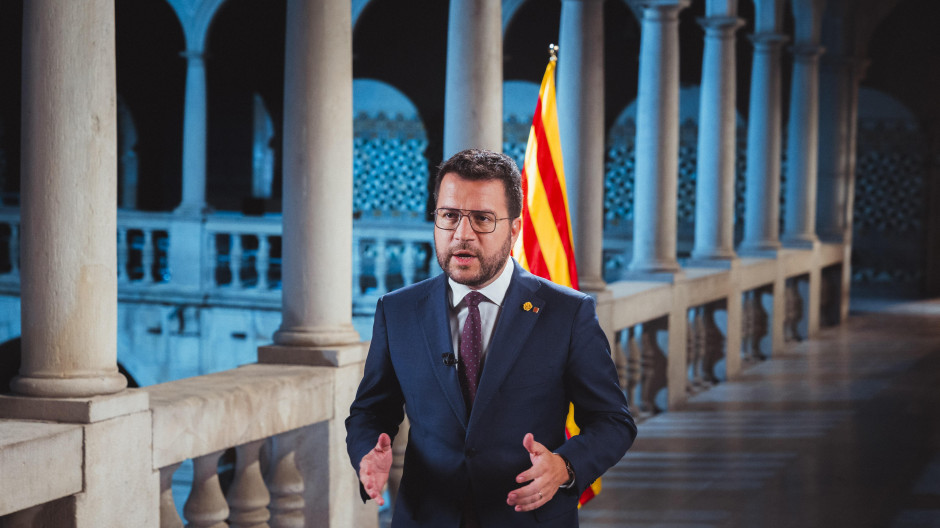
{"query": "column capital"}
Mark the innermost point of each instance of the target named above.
(806, 52)
(718, 26)
(663, 9)
(768, 41)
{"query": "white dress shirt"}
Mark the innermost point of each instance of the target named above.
(490, 308)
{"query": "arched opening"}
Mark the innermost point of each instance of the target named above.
(245, 83)
(151, 79)
(404, 44)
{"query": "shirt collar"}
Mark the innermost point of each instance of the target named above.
(494, 291)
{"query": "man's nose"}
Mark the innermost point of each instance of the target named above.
(464, 231)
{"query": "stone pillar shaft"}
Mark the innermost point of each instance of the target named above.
(473, 101)
(318, 187)
(194, 135)
(834, 134)
(802, 148)
(581, 120)
(69, 207)
(714, 209)
(803, 127)
(762, 195)
(657, 140)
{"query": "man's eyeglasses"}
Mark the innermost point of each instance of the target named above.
(480, 221)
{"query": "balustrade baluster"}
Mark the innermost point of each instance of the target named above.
(747, 325)
(235, 260)
(122, 256)
(263, 262)
(286, 485)
(381, 266)
(408, 270)
(634, 367)
(248, 497)
(15, 249)
(759, 325)
(147, 256)
(620, 360)
(206, 506)
(211, 242)
(714, 344)
(694, 344)
(654, 368)
(169, 518)
(793, 311)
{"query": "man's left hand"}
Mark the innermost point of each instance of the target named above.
(546, 474)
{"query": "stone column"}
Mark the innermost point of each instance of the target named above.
(318, 186)
(657, 140)
(194, 135)
(69, 208)
(473, 100)
(835, 77)
(762, 195)
(803, 128)
(581, 123)
(714, 209)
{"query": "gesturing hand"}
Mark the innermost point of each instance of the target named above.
(374, 468)
(546, 474)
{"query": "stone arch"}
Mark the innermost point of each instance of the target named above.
(244, 60)
(390, 165)
(404, 44)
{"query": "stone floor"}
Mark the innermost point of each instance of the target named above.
(840, 431)
(843, 430)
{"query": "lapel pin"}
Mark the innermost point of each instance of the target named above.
(535, 309)
(528, 306)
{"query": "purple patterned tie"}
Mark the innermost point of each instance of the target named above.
(471, 348)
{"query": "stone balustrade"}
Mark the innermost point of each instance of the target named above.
(271, 417)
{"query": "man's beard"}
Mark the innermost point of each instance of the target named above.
(489, 266)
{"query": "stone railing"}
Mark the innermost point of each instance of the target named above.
(235, 260)
(246, 410)
(674, 339)
(265, 443)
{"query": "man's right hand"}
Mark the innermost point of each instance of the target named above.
(374, 468)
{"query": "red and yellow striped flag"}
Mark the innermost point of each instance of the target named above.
(545, 246)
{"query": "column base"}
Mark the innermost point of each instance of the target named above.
(75, 410)
(75, 387)
(335, 356)
(706, 262)
(320, 337)
(760, 250)
(192, 210)
(805, 241)
(654, 276)
(592, 284)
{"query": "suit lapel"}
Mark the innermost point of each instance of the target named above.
(511, 332)
(435, 324)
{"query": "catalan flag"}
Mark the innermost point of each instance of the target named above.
(545, 247)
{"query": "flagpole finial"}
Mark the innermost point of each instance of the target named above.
(553, 50)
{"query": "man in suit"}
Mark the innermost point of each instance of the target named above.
(485, 359)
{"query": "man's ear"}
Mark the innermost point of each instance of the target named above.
(515, 229)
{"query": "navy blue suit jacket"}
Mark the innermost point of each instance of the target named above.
(537, 361)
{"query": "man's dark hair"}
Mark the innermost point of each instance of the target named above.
(477, 164)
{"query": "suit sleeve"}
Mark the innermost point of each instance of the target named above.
(600, 408)
(379, 404)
